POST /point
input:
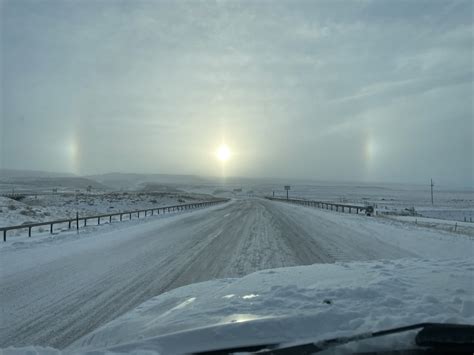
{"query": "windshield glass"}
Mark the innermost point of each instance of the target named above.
(281, 169)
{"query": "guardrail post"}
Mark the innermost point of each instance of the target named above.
(145, 213)
(98, 220)
(5, 235)
(130, 216)
(77, 220)
(51, 229)
(69, 225)
(110, 219)
(121, 217)
(350, 209)
(29, 231)
(85, 222)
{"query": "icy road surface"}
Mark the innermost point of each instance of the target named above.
(55, 294)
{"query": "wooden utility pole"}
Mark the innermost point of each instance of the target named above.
(432, 202)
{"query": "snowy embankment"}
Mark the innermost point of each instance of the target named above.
(50, 207)
(466, 228)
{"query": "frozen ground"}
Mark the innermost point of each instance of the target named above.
(54, 293)
(47, 207)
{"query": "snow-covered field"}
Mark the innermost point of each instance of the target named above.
(437, 223)
(58, 288)
(449, 203)
(47, 207)
(55, 292)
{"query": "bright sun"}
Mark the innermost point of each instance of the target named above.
(223, 153)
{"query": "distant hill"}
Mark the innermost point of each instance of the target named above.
(14, 173)
(130, 181)
(40, 180)
(154, 187)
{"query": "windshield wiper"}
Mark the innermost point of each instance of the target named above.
(438, 338)
(453, 337)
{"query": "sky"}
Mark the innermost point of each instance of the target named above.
(334, 90)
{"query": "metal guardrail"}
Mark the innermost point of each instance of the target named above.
(77, 219)
(327, 205)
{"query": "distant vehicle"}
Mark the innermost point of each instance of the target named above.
(369, 210)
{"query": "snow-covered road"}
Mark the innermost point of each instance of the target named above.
(53, 295)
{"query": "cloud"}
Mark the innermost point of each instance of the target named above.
(281, 80)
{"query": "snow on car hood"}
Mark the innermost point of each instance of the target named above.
(318, 301)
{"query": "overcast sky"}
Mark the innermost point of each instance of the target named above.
(347, 90)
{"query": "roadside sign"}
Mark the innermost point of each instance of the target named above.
(287, 187)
